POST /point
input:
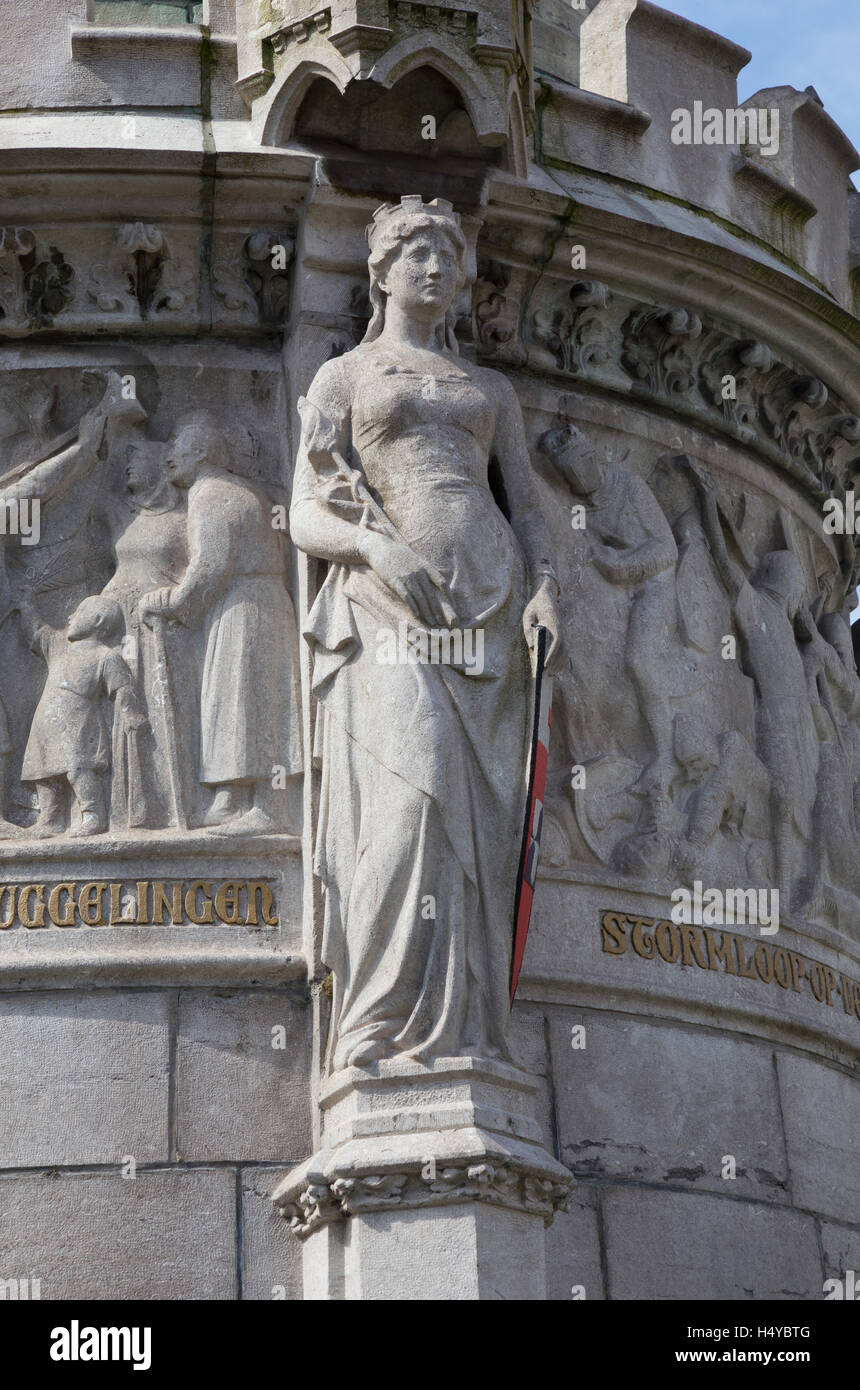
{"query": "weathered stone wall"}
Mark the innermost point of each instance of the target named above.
(645, 1115)
(143, 1133)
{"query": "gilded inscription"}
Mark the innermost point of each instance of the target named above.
(728, 952)
(144, 903)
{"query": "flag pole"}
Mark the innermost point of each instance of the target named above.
(536, 790)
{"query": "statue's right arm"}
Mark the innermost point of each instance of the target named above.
(645, 559)
(50, 479)
(315, 527)
(730, 572)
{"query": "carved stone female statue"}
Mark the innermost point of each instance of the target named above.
(423, 759)
(147, 521)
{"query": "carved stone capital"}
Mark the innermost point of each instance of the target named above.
(400, 1136)
(505, 1185)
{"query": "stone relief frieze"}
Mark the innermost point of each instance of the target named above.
(707, 717)
(677, 358)
(680, 756)
(149, 624)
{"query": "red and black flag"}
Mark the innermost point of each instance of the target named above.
(530, 851)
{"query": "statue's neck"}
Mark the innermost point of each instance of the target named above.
(160, 498)
(402, 329)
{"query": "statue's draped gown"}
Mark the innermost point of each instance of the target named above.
(423, 766)
(151, 550)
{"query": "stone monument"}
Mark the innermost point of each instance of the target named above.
(343, 350)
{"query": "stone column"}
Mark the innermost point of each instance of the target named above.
(431, 1183)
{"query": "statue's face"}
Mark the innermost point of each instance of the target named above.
(184, 458)
(581, 467)
(422, 279)
(699, 766)
(143, 470)
(85, 620)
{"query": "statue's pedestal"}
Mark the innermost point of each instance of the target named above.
(431, 1183)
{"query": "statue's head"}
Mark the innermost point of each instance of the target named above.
(573, 456)
(95, 616)
(780, 573)
(418, 261)
(695, 747)
(198, 442)
(145, 469)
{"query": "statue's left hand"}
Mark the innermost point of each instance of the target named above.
(541, 611)
(157, 601)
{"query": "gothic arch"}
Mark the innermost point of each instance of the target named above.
(282, 102)
(430, 49)
(279, 108)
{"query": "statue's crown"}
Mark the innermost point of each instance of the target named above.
(412, 204)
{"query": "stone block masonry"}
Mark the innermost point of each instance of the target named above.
(134, 1160)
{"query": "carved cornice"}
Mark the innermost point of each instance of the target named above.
(671, 357)
(139, 279)
(254, 280)
(504, 1184)
(36, 282)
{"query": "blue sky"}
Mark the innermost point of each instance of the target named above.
(795, 42)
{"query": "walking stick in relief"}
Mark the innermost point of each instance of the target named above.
(135, 798)
(167, 709)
